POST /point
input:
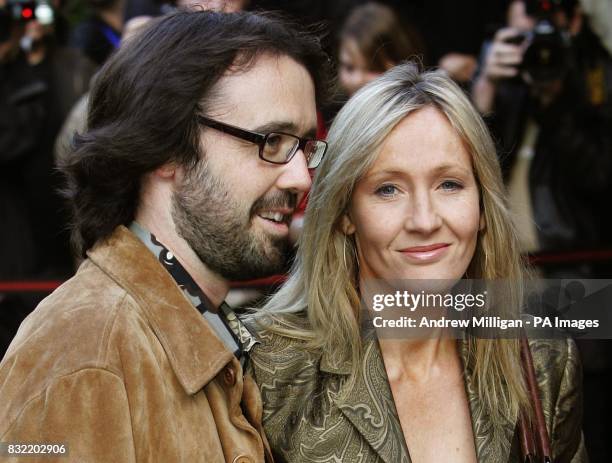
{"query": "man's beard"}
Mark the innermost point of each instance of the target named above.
(219, 232)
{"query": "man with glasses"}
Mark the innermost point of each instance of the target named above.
(199, 145)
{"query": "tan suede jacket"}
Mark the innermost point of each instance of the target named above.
(120, 367)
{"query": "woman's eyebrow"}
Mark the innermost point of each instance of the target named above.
(443, 168)
(451, 166)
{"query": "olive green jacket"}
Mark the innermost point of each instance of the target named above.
(305, 421)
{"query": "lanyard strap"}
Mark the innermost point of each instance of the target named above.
(111, 36)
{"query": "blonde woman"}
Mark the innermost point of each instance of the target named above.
(410, 188)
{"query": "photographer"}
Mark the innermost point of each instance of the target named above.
(39, 82)
(544, 85)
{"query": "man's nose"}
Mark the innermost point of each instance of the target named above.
(295, 176)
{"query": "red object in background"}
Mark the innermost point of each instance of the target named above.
(48, 286)
(596, 255)
(321, 129)
(27, 13)
(34, 286)
(570, 257)
(260, 282)
(29, 286)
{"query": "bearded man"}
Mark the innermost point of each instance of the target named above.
(199, 145)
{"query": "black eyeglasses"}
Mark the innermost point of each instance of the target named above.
(274, 147)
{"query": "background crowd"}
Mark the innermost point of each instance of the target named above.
(540, 72)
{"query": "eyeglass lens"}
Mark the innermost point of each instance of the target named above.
(280, 148)
(314, 152)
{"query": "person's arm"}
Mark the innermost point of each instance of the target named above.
(501, 61)
(459, 66)
(87, 411)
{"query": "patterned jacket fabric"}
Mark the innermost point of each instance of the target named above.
(306, 421)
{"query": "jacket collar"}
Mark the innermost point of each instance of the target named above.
(371, 410)
(370, 407)
(194, 351)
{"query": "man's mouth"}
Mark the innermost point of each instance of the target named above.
(276, 216)
(275, 211)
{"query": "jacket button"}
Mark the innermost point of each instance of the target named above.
(242, 459)
(230, 380)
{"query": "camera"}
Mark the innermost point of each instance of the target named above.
(21, 11)
(547, 55)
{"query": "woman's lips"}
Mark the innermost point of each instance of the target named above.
(423, 254)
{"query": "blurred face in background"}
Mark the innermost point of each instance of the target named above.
(372, 41)
(226, 6)
(354, 70)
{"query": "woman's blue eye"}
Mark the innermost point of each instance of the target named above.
(450, 185)
(386, 190)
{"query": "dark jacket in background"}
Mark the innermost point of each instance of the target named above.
(34, 241)
(35, 101)
(96, 39)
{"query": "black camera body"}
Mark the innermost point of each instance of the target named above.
(547, 56)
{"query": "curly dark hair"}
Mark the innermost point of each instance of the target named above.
(144, 102)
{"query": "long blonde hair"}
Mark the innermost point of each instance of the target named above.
(322, 283)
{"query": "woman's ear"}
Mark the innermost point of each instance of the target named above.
(347, 225)
(482, 224)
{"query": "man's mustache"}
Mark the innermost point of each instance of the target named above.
(280, 200)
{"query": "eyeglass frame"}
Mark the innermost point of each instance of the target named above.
(260, 139)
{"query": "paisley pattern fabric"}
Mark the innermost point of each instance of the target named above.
(306, 420)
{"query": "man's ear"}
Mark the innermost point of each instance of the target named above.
(347, 225)
(168, 171)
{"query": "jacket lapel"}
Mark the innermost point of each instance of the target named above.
(371, 410)
(194, 351)
(490, 445)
